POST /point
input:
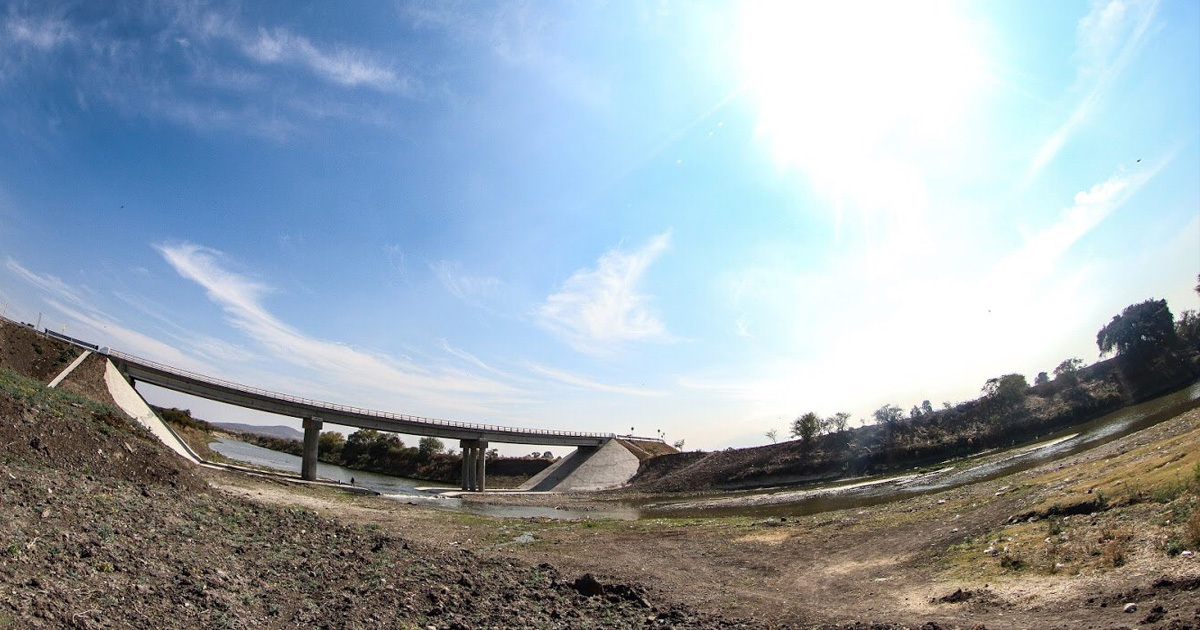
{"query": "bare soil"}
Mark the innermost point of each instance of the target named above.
(102, 527)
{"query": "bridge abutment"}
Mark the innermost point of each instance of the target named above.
(308, 464)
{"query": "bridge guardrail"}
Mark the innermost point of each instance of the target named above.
(318, 404)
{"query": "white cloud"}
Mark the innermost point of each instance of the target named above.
(597, 310)
(582, 382)
(44, 34)
(1107, 40)
(275, 82)
(342, 66)
(464, 286)
(48, 283)
(241, 296)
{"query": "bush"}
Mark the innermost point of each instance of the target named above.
(1191, 530)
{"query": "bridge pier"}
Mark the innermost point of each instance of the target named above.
(308, 464)
(474, 465)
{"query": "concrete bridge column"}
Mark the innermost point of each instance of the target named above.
(481, 466)
(468, 464)
(308, 465)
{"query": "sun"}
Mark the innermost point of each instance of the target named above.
(853, 92)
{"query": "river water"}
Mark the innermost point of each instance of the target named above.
(403, 489)
(788, 501)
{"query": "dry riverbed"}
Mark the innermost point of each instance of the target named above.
(1035, 549)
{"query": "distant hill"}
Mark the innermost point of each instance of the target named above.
(275, 431)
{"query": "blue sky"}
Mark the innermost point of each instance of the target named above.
(697, 218)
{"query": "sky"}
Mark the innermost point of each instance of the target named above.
(694, 220)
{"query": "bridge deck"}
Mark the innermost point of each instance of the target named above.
(286, 404)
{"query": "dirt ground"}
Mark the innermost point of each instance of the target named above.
(101, 527)
(958, 559)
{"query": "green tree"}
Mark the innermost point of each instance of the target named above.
(839, 421)
(1187, 330)
(926, 407)
(1141, 328)
(1068, 371)
(773, 435)
(1041, 379)
(1007, 389)
(430, 446)
(806, 427)
(329, 445)
(888, 415)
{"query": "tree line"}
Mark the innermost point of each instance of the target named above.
(1151, 353)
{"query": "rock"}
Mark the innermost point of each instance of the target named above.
(587, 585)
(1130, 607)
(1188, 554)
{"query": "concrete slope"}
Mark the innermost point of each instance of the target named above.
(132, 403)
(588, 468)
(70, 368)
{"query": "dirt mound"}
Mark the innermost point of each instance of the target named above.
(647, 449)
(87, 380)
(25, 351)
(44, 429)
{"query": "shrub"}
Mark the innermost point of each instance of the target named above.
(1191, 530)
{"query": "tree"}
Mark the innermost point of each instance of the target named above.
(1187, 330)
(806, 427)
(1141, 328)
(1068, 371)
(926, 407)
(429, 446)
(329, 445)
(839, 421)
(1007, 389)
(888, 415)
(773, 435)
(678, 445)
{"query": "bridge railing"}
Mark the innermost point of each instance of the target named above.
(319, 404)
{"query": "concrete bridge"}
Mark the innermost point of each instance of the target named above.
(473, 438)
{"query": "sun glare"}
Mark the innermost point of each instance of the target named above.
(854, 92)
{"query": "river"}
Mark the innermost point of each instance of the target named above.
(786, 501)
(399, 488)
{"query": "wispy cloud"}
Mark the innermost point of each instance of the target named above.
(131, 341)
(240, 296)
(42, 33)
(467, 287)
(598, 309)
(46, 282)
(201, 68)
(1042, 249)
(582, 382)
(342, 66)
(1107, 40)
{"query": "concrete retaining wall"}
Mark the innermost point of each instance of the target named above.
(588, 468)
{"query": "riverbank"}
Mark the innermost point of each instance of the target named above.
(1033, 549)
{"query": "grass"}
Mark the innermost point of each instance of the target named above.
(1143, 500)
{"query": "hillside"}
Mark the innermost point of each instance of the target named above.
(104, 527)
(959, 430)
(280, 431)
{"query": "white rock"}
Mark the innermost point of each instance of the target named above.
(1188, 554)
(1130, 607)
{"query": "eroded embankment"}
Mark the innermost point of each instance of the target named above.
(959, 431)
(103, 526)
